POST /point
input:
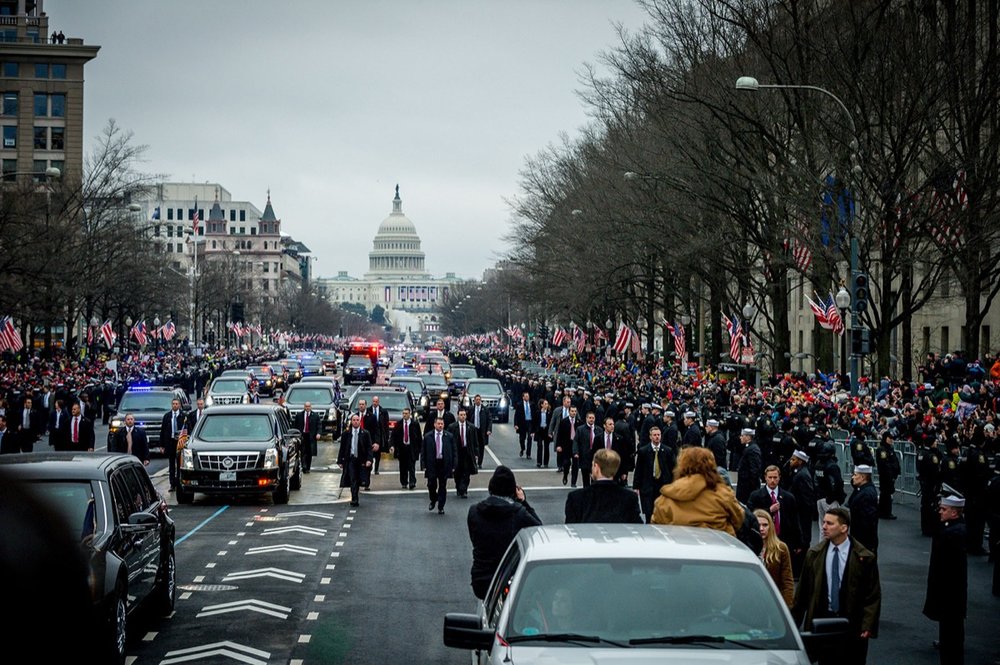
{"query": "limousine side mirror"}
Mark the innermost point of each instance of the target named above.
(465, 631)
(823, 635)
(142, 520)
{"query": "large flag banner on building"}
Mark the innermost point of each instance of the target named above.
(623, 338)
(108, 333)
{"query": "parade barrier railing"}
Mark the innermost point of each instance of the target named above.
(906, 452)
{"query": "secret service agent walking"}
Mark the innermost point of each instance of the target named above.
(354, 457)
(840, 578)
(947, 581)
(438, 461)
(493, 523)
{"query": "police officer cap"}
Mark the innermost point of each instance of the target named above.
(629, 405)
(656, 407)
(863, 468)
(689, 414)
(888, 434)
(952, 501)
(669, 414)
(646, 405)
(801, 455)
(746, 431)
(712, 422)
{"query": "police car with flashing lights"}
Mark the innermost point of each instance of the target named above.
(148, 404)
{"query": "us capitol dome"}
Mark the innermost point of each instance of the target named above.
(397, 279)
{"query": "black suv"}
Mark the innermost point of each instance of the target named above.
(359, 368)
(125, 531)
(241, 449)
(147, 404)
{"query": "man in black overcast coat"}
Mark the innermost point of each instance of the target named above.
(605, 500)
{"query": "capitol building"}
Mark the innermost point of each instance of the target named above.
(396, 279)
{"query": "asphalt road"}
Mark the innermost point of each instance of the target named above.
(371, 584)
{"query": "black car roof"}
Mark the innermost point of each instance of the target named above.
(63, 465)
(246, 409)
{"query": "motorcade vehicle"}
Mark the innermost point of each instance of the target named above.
(241, 449)
(437, 388)
(494, 397)
(417, 388)
(233, 372)
(459, 375)
(148, 404)
(312, 366)
(329, 358)
(667, 595)
(264, 376)
(391, 398)
(294, 370)
(322, 396)
(228, 390)
(126, 534)
(361, 363)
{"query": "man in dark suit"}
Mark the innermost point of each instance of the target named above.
(565, 438)
(605, 500)
(59, 425)
(783, 508)
(438, 462)
(131, 440)
(586, 438)
(466, 445)
(81, 431)
(170, 429)
(524, 422)
(307, 421)
(483, 422)
(28, 425)
(438, 412)
(622, 440)
(751, 466)
(8, 440)
(377, 424)
(195, 415)
(354, 456)
(802, 485)
(840, 578)
(405, 443)
(863, 504)
(654, 468)
(543, 418)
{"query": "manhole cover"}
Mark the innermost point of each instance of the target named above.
(207, 587)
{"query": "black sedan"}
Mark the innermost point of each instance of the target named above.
(123, 528)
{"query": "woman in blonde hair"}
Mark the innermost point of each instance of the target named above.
(777, 559)
(698, 496)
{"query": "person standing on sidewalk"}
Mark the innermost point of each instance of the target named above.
(887, 463)
(948, 581)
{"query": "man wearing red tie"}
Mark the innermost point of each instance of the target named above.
(438, 462)
(405, 445)
(583, 448)
(307, 422)
(81, 431)
(782, 506)
(466, 449)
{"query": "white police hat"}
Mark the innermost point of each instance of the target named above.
(712, 422)
(801, 455)
(689, 414)
(863, 468)
(952, 501)
(669, 413)
(747, 431)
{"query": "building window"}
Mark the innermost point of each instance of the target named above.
(170, 247)
(946, 286)
(243, 215)
(926, 334)
(10, 70)
(232, 215)
(41, 104)
(41, 70)
(945, 342)
(180, 213)
(243, 230)
(57, 106)
(10, 103)
(201, 213)
(41, 138)
(9, 35)
(253, 231)
(180, 230)
(232, 230)
(38, 167)
(264, 283)
(58, 71)
(267, 266)
(180, 248)
(156, 231)
(214, 245)
(9, 168)
(9, 136)
(58, 137)
(170, 231)
(170, 214)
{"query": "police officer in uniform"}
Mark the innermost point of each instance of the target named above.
(929, 476)
(829, 481)
(947, 581)
(888, 471)
(716, 442)
(975, 475)
(861, 454)
(951, 465)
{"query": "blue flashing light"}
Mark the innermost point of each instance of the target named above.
(141, 388)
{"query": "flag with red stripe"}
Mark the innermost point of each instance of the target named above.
(623, 338)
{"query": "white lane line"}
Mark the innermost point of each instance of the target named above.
(149, 637)
(312, 616)
(129, 660)
(339, 543)
(234, 542)
(210, 565)
(319, 598)
(304, 639)
(199, 579)
(241, 534)
(185, 595)
(347, 526)
(349, 519)
(249, 524)
(334, 554)
(324, 580)
(331, 566)
(222, 553)
(343, 534)
(496, 459)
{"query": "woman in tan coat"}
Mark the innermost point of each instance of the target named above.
(776, 557)
(698, 496)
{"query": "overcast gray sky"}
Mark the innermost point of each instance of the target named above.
(331, 103)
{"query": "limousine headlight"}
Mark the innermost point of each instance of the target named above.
(271, 458)
(209, 401)
(503, 402)
(187, 459)
(331, 414)
(116, 423)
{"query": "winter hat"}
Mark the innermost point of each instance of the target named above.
(502, 483)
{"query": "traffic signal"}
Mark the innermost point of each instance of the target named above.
(859, 297)
(238, 312)
(861, 342)
(543, 331)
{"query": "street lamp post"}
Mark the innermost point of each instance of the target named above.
(126, 333)
(685, 322)
(608, 324)
(94, 323)
(156, 332)
(751, 84)
(748, 312)
(843, 299)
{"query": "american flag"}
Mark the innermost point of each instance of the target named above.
(579, 338)
(735, 329)
(636, 345)
(168, 330)
(138, 332)
(801, 255)
(833, 316)
(10, 339)
(108, 333)
(821, 312)
(680, 343)
(599, 334)
(623, 338)
(559, 337)
(195, 219)
(90, 335)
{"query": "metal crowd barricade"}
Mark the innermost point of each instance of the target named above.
(905, 451)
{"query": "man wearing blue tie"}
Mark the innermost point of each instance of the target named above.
(438, 461)
(523, 423)
(170, 430)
